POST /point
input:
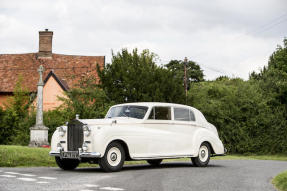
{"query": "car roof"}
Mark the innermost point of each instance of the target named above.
(151, 104)
(199, 116)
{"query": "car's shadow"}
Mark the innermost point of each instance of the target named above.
(131, 167)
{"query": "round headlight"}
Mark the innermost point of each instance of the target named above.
(61, 131)
(86, 130)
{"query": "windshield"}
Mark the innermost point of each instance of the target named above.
(137, 112)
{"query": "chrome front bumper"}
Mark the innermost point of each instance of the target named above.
(81, 154)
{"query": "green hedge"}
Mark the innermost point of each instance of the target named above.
(239, 109)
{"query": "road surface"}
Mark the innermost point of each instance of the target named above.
(221, 175)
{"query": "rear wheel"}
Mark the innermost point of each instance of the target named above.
(114, 158)
(154, 162)
(67, 164)
(203, 156)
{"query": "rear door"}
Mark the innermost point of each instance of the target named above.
(183, 128)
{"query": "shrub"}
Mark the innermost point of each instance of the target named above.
(240, 111)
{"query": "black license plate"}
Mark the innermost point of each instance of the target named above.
(70, 154)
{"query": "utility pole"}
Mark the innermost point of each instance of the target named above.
(185, 79)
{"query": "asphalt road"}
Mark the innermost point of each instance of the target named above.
(219, 175)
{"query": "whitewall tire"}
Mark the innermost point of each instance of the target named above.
(203, 157)
(114, 158)
(67, 164)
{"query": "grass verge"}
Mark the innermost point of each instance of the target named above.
(17, 156)
(280, 181)
(21, 156)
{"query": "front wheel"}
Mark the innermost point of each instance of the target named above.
(67, 164)
(203, 156)
(114, 158)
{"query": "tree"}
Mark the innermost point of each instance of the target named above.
(273, 78)
(134, 77)
(244, 119)
(15, 119)
(194, 72)
(86, 99)
(278, 60)
(222, 78)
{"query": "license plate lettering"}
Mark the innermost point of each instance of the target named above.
(70, 154)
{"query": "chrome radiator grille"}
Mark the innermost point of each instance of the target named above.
(75, 135)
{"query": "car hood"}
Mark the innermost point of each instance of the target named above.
(118, 120)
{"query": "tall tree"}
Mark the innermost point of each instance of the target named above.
(278, 60)
(134, 77)
(194, 72)
(273, 78)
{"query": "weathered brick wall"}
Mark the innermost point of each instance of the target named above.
(45, 41)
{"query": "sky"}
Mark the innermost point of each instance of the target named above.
(224, 37)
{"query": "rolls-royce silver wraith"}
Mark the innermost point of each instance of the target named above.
(137, 131)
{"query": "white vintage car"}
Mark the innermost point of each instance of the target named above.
(137, 131)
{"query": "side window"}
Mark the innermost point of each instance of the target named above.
(191, 114)
(160, 113)
(181, 114)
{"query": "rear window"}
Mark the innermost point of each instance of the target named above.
(181, 114)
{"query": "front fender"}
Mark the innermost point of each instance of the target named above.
(101, 137)
(56, 138)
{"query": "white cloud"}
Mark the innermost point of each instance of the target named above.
(225, 37)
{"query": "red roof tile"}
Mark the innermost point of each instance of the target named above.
(67, 67)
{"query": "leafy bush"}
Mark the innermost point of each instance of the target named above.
(240, 111)
(86, 99)
(280, 181)
(13, 118)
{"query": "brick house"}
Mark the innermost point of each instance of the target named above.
(62, 72)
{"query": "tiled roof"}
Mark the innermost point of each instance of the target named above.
(61, 82)
(69, 69)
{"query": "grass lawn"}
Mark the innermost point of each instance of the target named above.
(280, 181)
(22, 156)
(15, 156)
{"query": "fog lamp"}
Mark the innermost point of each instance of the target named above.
(59, 147)
(85, 147)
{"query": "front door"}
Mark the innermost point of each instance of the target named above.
(160, 138)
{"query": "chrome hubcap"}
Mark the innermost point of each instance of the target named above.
(203, 153)
(114, 156)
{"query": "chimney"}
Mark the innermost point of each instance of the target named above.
(45, 44)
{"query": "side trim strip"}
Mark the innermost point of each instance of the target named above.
(163, 157)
